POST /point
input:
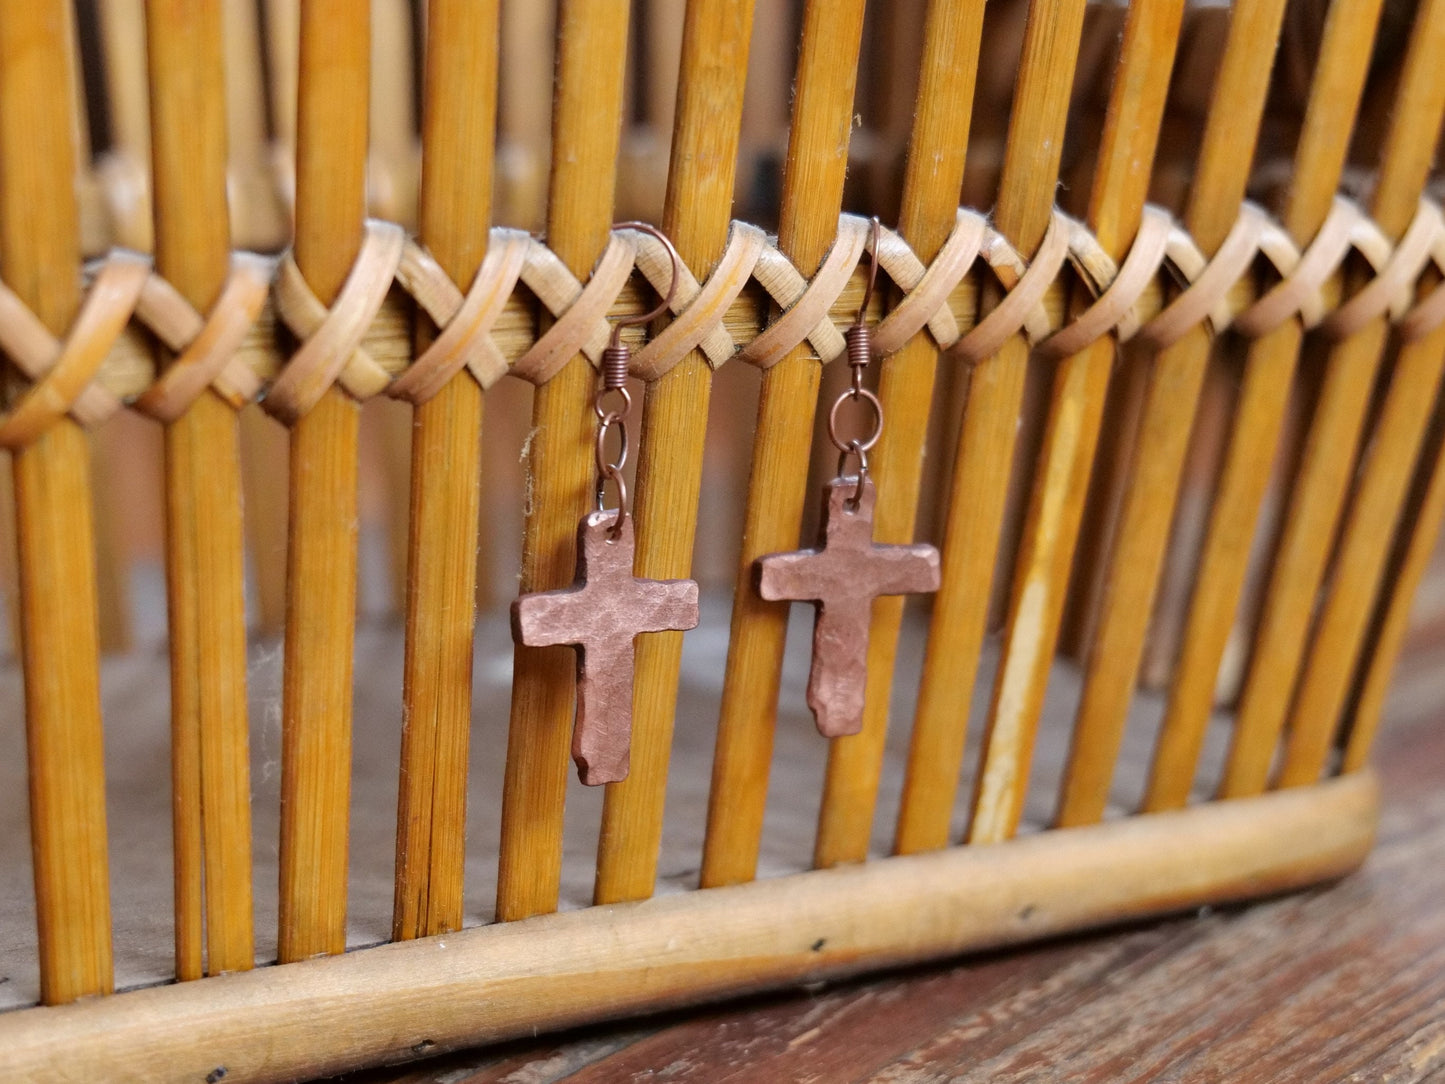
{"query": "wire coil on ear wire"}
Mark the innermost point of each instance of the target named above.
(616, 357)
(859, 340)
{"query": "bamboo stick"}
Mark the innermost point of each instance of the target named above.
(265, 457)
(123, 176)
(1399, 430)
(1330, 666)
(777, 484)
(392, 173)
(527, 35)
(245, 95)
(650, 111)
(498, 982)
(321, 556)
(9, 560)
(714, 66)
(460, 120)
(524, 103)
(1172, 391)
(766, 102)
(126, 166)
(1328, 461)
(587, 113)
(205, 558)
(392, 194)
(1259, 416)
(1061, 478)
(897, 41)
(283, 57)
(258, 220)
(39, 252)
(265, 451)
(664, 32)
(989, 425)
(933, 178)
(1420, 551)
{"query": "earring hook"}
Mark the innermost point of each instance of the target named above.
(615, 360)
(648, 317)
(859, 340)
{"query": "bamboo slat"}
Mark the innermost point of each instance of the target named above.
(391, 175)
(586, 118)
(897, 40)
(1420, 550)
(391, 190)
(125, 168)
(9, 560)
(982, 464)
(1259, 416)
(205, 558)
(1334, 432)
(459, 128)
(669, 473)
(1369, 529)
(766, 100)
(1174, 384)
(331, 148)
(39, 253)
(933, 178)
(1026, 196)
(246, 127)
(283, 65)
(258, 220)
(652, 96)
(524, 102)
(523, 99)
(777, 483)
(1400, 430)
(1061, 478)
(124, 184)
(265, 448)
(265, 456)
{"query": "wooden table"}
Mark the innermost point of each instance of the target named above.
(1346, 982)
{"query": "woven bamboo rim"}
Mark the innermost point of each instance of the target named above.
(71, 375)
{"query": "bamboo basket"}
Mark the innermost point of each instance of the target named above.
(302, 306)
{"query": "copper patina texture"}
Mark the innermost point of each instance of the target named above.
(600, 614)
(841, 580)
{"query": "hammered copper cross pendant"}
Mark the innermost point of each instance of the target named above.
(841, 580)
(600, 614)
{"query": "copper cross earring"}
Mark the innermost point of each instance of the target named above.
(606, 607)
(848, 570)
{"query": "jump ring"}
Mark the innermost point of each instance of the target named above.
(856, 500)
(609, 421)
(609, 472)
(866, 443)
(857, 450)
(602, 412)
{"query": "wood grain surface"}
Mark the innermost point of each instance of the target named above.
(322, 529)
(205, 569)
(55, 532)
(1345, 982)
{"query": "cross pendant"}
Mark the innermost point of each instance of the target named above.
(601, 614)
(841, 580)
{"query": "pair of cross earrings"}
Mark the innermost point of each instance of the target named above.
(607, 607)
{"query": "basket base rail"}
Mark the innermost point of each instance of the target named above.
(409, 999)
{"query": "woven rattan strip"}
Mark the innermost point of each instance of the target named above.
(69, 376)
